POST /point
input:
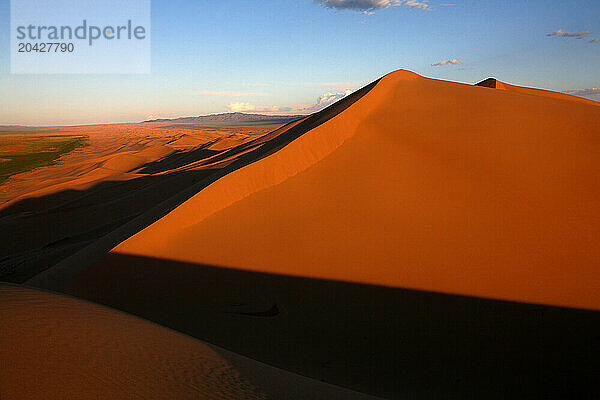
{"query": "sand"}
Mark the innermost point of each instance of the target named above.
(58, 347)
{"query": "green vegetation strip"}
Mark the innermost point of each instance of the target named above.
(33, 152)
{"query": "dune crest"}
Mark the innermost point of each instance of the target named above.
(407, 188)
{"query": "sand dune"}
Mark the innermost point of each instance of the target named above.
(496, 84)
(57, 347)
(420, 184)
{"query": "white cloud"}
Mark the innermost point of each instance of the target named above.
(585, 92)
(330, 98)
(452, 61)
(370, 6)
(422, 5)
(563, 33)
(240, 106)
(322, 102)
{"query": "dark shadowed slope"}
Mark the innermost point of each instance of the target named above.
(391, 342)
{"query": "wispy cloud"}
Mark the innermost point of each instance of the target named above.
(452, 61)
(563, 33)
(370, 6)
(228, 94)
(422, 5)
(596, 40)
(585, 92)
(322, 102)
(240, 106)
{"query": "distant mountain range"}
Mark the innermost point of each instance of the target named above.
(234, 118)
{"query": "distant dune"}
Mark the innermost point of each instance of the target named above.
(496, 84)
(417, 239)
(125, 170)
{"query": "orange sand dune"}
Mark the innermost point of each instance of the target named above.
(57, 347)
(420, 184)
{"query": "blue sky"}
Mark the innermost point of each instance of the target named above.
(288, 56)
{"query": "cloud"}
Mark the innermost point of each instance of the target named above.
(563, 33)
(240, 106)
(322, 102)
(370, 6)
(422, 5)
(228, 94)
(452, 61)
(330, 98)
(596, 40)
(585, 92)
(359, 5)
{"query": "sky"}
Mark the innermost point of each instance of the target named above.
(297, 56)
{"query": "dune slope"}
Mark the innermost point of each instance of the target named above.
(57, 347)
(420, 184)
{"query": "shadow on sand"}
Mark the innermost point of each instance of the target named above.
(390, 342)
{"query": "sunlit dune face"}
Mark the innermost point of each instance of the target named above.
(420, 184)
